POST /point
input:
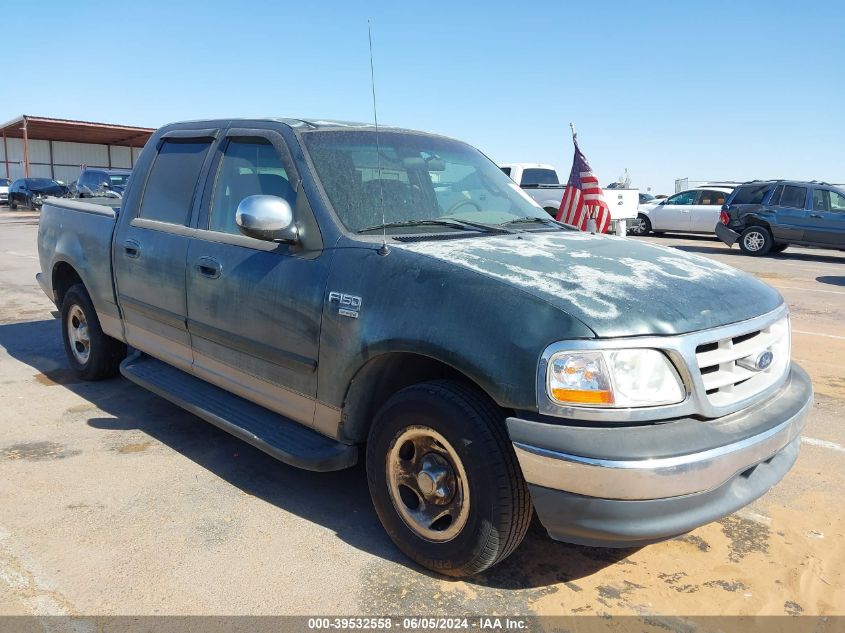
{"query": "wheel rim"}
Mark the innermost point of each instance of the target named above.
(77, 332)
(638, 227)
(753, 241)
(428, 484)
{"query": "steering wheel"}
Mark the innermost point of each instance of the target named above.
(461, 203)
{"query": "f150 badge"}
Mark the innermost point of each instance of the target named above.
(347, 305)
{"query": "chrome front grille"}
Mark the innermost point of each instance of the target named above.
(725, 380)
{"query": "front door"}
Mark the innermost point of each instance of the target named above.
(826, 224)
(150, 253)
(254, 307)
(674, 213)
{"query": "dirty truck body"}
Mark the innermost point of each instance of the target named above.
(328, 301)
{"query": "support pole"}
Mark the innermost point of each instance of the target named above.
(25, 151)
(52, 167)
(6, 153)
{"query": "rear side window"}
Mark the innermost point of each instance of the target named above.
(751, 194)
(170, 187)
(712, 197)
(794, 197)
(539, 177)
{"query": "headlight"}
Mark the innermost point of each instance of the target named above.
(613, 378)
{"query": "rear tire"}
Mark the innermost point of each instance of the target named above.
(756, 241)
(92, 354)
(444, 479)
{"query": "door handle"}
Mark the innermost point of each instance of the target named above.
(132, 248)
(209, 267)
(816, 215)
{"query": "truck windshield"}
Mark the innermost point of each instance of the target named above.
(419, 178)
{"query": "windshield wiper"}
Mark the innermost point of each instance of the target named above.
(450, 222)
(530, 219)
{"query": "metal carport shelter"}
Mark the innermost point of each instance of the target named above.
(35, 146)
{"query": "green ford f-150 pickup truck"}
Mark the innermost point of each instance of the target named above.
(330, 292)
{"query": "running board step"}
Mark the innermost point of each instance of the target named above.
(270, 432)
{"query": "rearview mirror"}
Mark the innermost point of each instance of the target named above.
(268, 218)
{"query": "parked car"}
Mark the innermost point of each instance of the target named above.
(30, 192)
(767, 216)
(646, 198)
(4, 190)
(330, 293)
(541, 182)
(101, 183)
(692, 211)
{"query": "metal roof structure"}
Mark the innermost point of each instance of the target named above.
(35, 127)
(30, 128)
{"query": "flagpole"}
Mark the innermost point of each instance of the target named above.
(572, 127)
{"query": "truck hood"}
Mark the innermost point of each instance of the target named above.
(615, 286)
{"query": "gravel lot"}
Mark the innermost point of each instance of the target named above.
(117, 502)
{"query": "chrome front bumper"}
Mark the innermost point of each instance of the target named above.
(668, 476)
(686, 478)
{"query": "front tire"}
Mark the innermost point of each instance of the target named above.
(12, 205)
(756, 241)
(444, 479)
(92, 354)
(640, 226)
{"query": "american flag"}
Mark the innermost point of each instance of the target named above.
(582, 198)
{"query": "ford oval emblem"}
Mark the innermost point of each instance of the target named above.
(760, 362)
(764, 360)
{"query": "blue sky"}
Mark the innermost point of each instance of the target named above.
(717, 90)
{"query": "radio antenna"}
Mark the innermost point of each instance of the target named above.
(383, 250)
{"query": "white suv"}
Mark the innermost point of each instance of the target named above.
(692, 211)
(4, 190)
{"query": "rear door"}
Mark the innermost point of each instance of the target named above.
(255, 307)
(705, 212)
(150, 250)
(791, 217)
(674, 214)
(826, 222)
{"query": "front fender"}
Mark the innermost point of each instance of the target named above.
(490, 331)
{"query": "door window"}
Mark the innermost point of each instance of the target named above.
(821, 200)
(685, 197)
(169, 192)
(837, 201)
(248, 168)
(792, 196)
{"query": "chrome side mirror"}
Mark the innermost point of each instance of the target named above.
(268, 218)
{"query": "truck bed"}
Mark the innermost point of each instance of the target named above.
(78, 235)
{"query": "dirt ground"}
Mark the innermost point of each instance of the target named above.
(113, 501)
